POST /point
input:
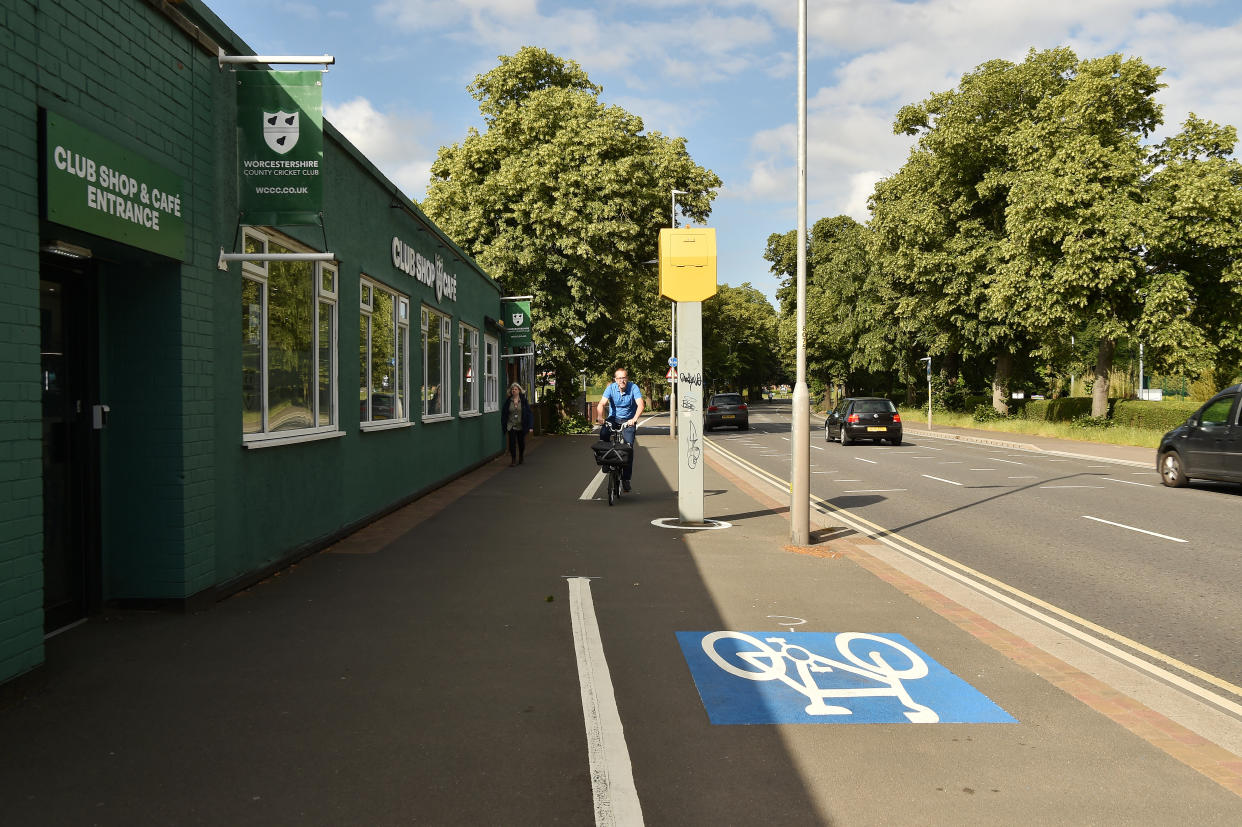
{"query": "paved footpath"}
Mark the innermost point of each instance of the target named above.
(427, 671)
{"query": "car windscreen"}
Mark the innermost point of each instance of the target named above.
(727, 399)
(874, 406)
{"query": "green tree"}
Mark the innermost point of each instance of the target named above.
(740, 350)
(562, 197)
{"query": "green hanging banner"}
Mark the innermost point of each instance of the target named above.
(516, 318)
(280, 147)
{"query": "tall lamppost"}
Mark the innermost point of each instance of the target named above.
(800, 446)
(672, 410)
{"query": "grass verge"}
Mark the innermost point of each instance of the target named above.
(1117, 435)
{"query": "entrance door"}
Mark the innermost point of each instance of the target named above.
(69, 380)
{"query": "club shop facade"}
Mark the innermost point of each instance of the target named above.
(176, 422)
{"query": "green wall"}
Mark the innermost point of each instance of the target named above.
(186, 508)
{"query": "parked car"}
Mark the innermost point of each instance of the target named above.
(1208, 445)
(726, 409)
(863, 417)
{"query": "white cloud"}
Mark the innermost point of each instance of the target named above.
(392, 142)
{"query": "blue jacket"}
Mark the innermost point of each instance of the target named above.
(528, 419)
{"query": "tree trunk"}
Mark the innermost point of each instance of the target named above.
(1103, 365)
(1000, 383)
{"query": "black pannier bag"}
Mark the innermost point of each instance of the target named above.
(610, 454)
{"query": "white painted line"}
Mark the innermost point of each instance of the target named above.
(847, 480)
(1058, 460)
(588, 493)
(1023, 477)
(612, 774)
(871, 490)
(1140, 473)
(818, 447)
(1010, 461)
(981, 469)
(938, 479)
(1071, 486)
(785, 438)
(922, 457)
(1098, 466)
(1139, 530)
(1129, 482)
(950, 462)
(860, 459)
(823, 472)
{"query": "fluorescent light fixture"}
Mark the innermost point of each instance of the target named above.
(64, 248)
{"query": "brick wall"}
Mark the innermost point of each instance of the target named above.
(21, 428)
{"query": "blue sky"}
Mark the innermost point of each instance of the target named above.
(722, 74)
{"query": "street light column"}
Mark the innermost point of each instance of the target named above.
(800, 444)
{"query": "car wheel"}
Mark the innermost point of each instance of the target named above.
(845, 438)
(1171, 473)
(827, 434)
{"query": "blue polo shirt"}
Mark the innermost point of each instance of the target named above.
(624, 404)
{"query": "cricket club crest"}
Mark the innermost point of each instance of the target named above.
(518, 318)
(280, 130)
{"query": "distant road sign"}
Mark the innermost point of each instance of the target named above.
(672, 373)
(672, 361)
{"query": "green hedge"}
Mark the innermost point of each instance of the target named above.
(1155, 416)
(1066, 409)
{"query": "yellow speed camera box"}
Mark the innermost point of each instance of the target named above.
(688, 264)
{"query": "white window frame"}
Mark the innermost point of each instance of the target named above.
(326, 276)
(367, 287)
(491, 364)
(468, 343)
(446, 363)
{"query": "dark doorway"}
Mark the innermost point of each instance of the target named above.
(69, 381)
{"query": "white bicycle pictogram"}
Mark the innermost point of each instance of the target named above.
(761, 662)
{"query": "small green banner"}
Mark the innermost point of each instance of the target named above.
(96, 185)
(516, 318)
(280, 147)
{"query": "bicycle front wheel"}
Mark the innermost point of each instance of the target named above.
(612, 487)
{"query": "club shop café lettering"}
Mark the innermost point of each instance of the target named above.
(405, 259)
(114, 192)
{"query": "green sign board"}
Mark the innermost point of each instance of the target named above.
(96, 185)
(516, 318)
(280, 146)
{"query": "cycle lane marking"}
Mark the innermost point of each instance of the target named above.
(612, 773)
(797, 677)
(1132, 528)
(588, 493)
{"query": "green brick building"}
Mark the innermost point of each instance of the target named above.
(171, 430)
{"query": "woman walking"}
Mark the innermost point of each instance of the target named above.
(516, 419)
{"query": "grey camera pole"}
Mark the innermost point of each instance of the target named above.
(800, 444)
(689, 412)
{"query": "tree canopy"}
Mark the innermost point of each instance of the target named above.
(562, 197)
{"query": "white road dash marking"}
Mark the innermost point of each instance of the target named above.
(1010, 461)
(871, 490)
(1071, 486)
(981, 469)
(939, 479)
(1129, 482)
(1023, 477)
(818, 447)
(1139, 530)
(950, 462)
(588, 493)
(612, 774)
(860, 459)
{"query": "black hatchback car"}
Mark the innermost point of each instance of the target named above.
(726, 409)
(1208, 445)
(863, 417)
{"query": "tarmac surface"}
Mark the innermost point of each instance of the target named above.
(423, 671)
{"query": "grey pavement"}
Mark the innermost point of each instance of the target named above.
(423, 671)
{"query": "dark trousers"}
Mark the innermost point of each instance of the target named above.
(629, 436)
(517, 444)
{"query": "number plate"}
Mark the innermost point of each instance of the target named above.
(873, 428)
(727, 416)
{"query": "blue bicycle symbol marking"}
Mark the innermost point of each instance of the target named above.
(791, 676)
(763, 663)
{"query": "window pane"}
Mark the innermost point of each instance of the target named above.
(327, 326)
(467, 373)
(402, 372)
(432, 376)
(383, 357)
(291, 359)
(1218, 412)
(252, 356)
(364, 345)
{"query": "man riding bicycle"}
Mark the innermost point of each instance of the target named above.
(626, 403)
